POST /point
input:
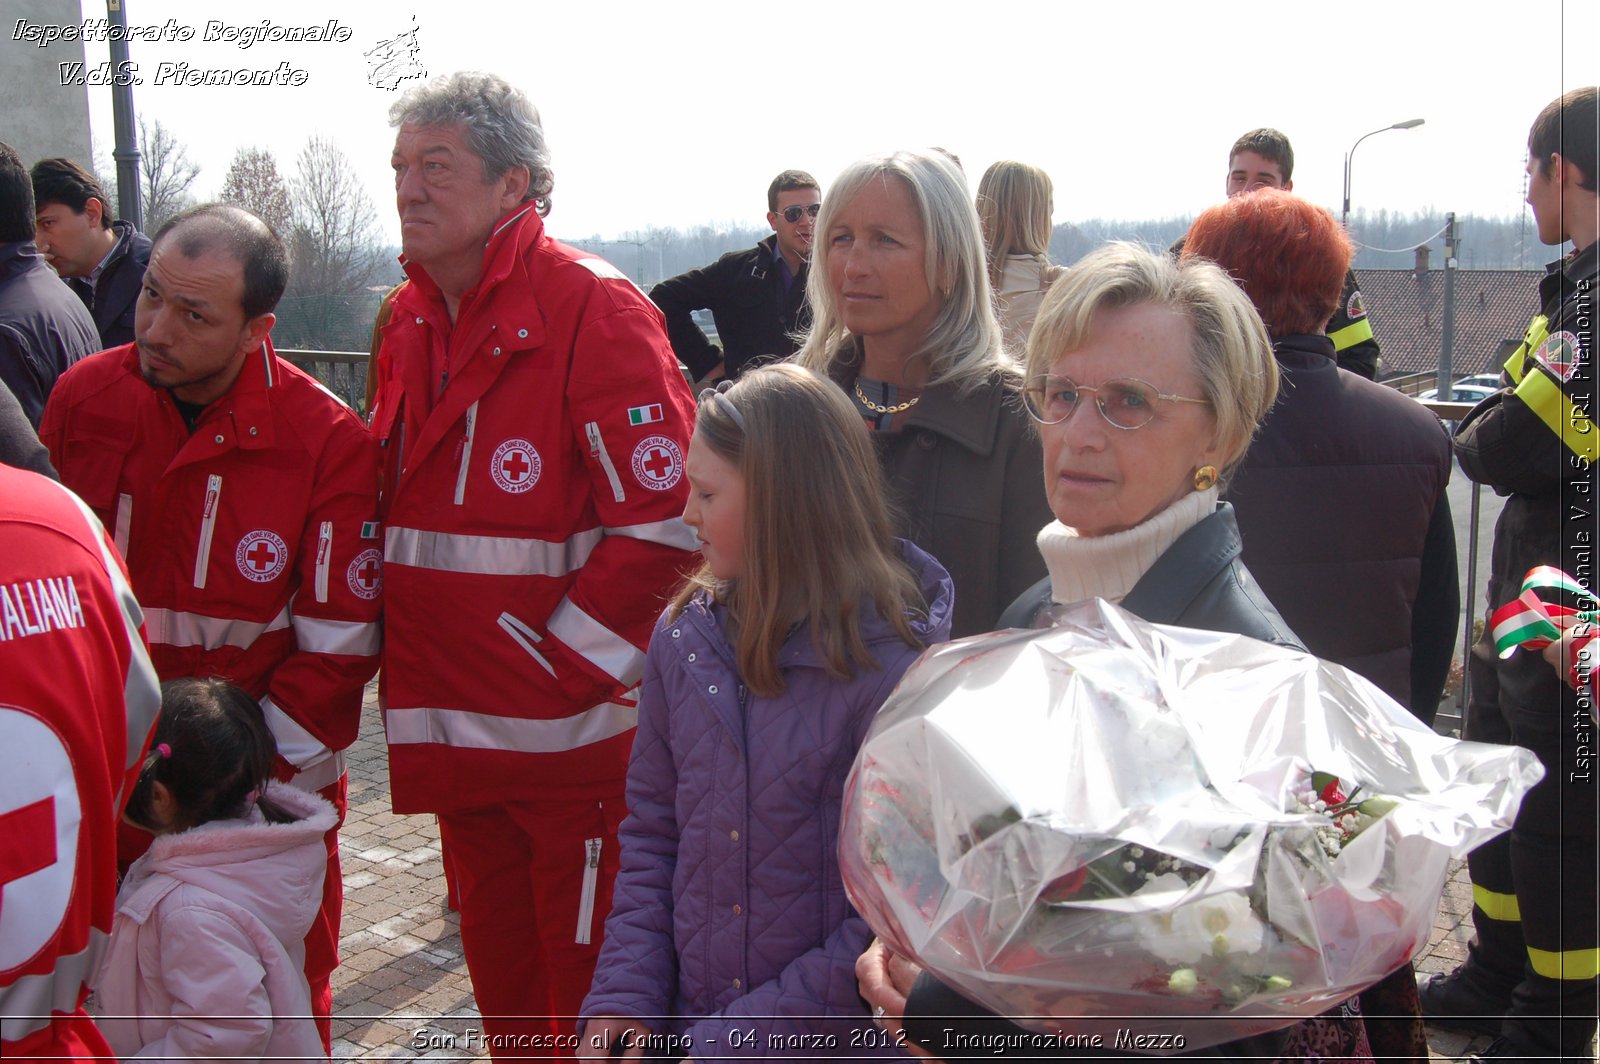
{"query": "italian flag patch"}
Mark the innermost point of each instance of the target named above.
(644, 415)
(369, 530)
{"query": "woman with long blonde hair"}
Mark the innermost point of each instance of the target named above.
(1015, 204)
(903, 320)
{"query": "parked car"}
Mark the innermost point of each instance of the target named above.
(1461, 393)
(1480, 380)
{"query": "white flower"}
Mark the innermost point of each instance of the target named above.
(1217, 925)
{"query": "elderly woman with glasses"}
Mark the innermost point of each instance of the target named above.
(903, 320)
(1148, 379)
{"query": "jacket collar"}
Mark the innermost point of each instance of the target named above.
(518, 230)
(1304, 351)
(1165, 591)
(242, 416)
(1561, 277)
(968, 418)
(18, 257)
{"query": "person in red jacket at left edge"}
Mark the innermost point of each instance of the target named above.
(534, 423)
(78, 698)
(244, 497)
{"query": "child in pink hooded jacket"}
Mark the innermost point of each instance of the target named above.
(206, 960)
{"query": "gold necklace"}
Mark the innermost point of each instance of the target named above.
(898, 408)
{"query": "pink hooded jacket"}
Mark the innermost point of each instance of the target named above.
(207, 954)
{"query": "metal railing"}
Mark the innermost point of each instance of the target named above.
(1450, 716)
(344, 373)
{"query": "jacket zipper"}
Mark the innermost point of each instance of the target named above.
(591, 878)
(208, 525)
(597, 448)
(324, 559)
(466, 452)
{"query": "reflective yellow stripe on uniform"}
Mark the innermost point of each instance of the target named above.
(1544, 397)
(1356, 332)
(1541, 394)
(1496, 906)
(1576, 964)
(1517, 364)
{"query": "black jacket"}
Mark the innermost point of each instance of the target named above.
(114, 294)
(1549, 513)
(43, 327)
(1198, 583)
(756, 319)
(1341, 502)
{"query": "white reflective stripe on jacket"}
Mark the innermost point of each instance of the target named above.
(485, 731)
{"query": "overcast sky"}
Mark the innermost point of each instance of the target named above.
(679, 113)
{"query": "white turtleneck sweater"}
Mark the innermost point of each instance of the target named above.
(1084, 567)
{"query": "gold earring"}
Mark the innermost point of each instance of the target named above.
(1205, 477)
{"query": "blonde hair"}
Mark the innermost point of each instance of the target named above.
(819, 547)
(1232, 353)
(1015, 202)
(963, 343)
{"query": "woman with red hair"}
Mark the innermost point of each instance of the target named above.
(1341, 498)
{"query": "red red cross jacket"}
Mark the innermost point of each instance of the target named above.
(533, 471)
(252, 541)
(78, 698)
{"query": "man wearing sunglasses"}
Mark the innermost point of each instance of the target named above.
(756, 297)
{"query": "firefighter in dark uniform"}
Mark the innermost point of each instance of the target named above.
(1530, 975)
(1263, 158)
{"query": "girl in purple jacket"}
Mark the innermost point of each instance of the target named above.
(730, 934)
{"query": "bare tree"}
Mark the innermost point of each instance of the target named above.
(165, 171)
(336, 237)
(336, 250)
(253, 182)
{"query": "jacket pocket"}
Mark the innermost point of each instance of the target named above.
(208, 527)
(526, 638)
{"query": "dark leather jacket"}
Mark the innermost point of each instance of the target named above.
(1198, 583)
(756, 317)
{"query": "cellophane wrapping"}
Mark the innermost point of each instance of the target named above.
(1114, 825)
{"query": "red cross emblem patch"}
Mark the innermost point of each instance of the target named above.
(515, 466)
(1560, 354)
(261, 556)
(39, 820)
(365, 574)
(657, 463)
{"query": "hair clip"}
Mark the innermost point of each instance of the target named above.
(725, 404)
(164, 750)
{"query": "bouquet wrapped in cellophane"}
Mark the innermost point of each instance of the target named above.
(1112, 825)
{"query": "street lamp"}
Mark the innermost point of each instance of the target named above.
(1410, 123)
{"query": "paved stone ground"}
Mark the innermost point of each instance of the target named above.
(402, 991)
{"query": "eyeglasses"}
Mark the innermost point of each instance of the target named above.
(1125, 403)
(794, 213)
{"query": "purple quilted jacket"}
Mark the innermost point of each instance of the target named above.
(730, 925)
